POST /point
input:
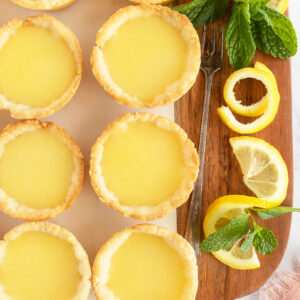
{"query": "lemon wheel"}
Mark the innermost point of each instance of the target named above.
(280, 5)
(218, 215)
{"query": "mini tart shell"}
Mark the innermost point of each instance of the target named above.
(10, 206)
(44, 4)
(174, 91)
(22, 111)
(62, 233)
(145, 213)
(101, 267)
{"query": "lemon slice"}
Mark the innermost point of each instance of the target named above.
(265, 172)
(235, 105)
(273, 103)
(218, 215)
(280, 5)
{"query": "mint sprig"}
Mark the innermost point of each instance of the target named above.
(201, 12)
(238, 36)
(240, 228)
(252, 25)
(224, 237)
(274, 212)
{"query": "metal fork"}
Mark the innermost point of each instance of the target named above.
(211, 62)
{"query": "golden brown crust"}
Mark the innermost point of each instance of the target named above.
(44, 4)
(145, 213)
(21, 111)
(175, 90)
(100, 270)
(56, 230)
(151, 1)
(9, 205)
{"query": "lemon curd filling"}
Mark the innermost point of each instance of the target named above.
(36, 169)
(146, 267)
(142, 164)
(38, 265)
(36, 67)
(145, 56)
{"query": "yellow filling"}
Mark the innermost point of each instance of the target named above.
(146, 267)
(145, 55)
(36, 67)
(39, 266)
(36, 169)
(142, 164)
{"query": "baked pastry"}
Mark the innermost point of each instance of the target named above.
(150, 1)
(44, 4)
(143, 166)
(146, 55)
(145, 262)
(40, 66)
(41, 170)
(43, 261)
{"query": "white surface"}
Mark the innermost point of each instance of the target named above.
(91, 110)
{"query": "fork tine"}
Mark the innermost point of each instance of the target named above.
(212, 44)
(221, 45)
(203, 39)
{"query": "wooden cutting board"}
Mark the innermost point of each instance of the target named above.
(223, 175)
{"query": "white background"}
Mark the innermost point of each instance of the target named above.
(91, 110)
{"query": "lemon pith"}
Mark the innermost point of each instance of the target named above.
(269, 114)
(265, 172)
(280, 5)
(219, 214)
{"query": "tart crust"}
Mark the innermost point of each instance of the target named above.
(151, 1)
(145, 213)
(100, 271)
(64, 234)
(174, 91)
(9, 205)
(22, 111)
(44, 4)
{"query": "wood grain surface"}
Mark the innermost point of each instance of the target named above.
(223, 175)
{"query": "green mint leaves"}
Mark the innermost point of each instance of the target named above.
(274, 212)
(224, 237)
(238, 36)
(252, 25)
(274, 33)
(201, 12)
(239, 228)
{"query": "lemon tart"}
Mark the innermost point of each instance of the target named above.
(41, 170)
(145, 262)
(43, 261)
(146, 55)
(40, 66)
(143, 166)
(44, 4)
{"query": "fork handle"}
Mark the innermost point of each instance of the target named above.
(192, 233)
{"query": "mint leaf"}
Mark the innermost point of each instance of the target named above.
(239, 40)
(201, 12)
(274, 33)
(264, 241)
(274, 212)
(255, 5)
(248, 242)
(224, 237)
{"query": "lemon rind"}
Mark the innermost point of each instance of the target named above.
(56, 230)
(9, 205)
(100, 270)
(145, 213)
(44, 5)
(175, 90)
(264, 120)
(22, 111)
